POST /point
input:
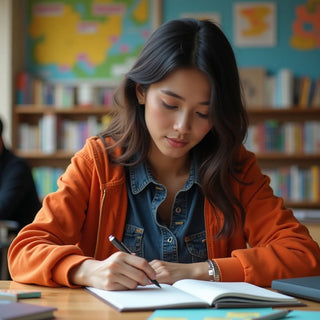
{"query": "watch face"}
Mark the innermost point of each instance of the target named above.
(211, 271)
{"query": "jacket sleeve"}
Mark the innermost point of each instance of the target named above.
(44, 251)
(278, 246)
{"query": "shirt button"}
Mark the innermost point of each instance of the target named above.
(178, 210)
(170, 239)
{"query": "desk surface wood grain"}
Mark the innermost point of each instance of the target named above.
(80, 304)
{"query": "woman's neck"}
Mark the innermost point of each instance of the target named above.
(163, 166)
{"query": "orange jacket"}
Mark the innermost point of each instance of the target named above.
(91, 203)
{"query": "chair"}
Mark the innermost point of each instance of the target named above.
(7, 227)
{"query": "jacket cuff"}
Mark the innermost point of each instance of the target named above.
(230, 269)
(60, 273)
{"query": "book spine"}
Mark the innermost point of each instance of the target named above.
(286, 77)
(48, 133)
(305, 92)
(315, 102)
(315, 183)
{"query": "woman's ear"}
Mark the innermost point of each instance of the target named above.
(140, 94)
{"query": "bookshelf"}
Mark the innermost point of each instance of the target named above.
(49, 162)
(52, 120)
(284, 133)
(31, 115)
(296, 163)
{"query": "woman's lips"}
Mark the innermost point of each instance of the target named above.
(177, 143)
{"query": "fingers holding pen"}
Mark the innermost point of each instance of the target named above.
(122, 270)
(123, 248)
(129, 270)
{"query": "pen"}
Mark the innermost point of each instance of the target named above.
(121, 247)
(274, 316)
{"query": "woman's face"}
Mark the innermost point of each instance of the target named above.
(177, 112)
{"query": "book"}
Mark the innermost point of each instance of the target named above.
(304, 287)
(217, 314)
(305, 88)
(186, 314)
(14, 295)
(189, 293)
(48, 133)
(315, 102)
(284, 89)
(25, 311)
(253, 85)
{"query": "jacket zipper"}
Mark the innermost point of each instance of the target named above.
(99, 225)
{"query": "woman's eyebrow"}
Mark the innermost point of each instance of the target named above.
(172, 94)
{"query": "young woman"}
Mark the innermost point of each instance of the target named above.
(170, 178)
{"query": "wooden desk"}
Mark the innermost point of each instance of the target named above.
(79, 304)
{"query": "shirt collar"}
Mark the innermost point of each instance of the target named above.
(140, 176)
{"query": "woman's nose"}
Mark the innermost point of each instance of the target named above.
(182, 122)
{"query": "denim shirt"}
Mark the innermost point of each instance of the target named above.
(146, 235)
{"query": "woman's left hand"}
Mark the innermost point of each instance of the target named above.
(170, 272)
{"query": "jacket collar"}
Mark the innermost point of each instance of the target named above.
(141, 176)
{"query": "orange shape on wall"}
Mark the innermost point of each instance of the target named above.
(306, 27)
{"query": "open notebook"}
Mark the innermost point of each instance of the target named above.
(189, 293)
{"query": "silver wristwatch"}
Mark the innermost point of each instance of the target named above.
(213, 271)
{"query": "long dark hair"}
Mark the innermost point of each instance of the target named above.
(185, 43)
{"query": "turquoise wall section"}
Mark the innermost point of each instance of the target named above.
(283, 55)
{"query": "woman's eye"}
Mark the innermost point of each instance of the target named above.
(203, 115)
(168, 106)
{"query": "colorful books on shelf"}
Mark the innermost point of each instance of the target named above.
(62, 95)
(307, 92)
(28, 137)
(295, 183)
(45, 179)
(261, 89)
(285, 137)
(280, 90)
(73, 134)
(53, 133)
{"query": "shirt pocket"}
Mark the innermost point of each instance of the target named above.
(196, 246)
(132, 238)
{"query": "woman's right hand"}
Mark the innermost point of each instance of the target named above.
(120, 271)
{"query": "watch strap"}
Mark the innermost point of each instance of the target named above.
(213, 271)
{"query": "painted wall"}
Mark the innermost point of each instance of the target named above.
(282, 55)
(5, 69)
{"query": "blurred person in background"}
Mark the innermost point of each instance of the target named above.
(19, 200)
